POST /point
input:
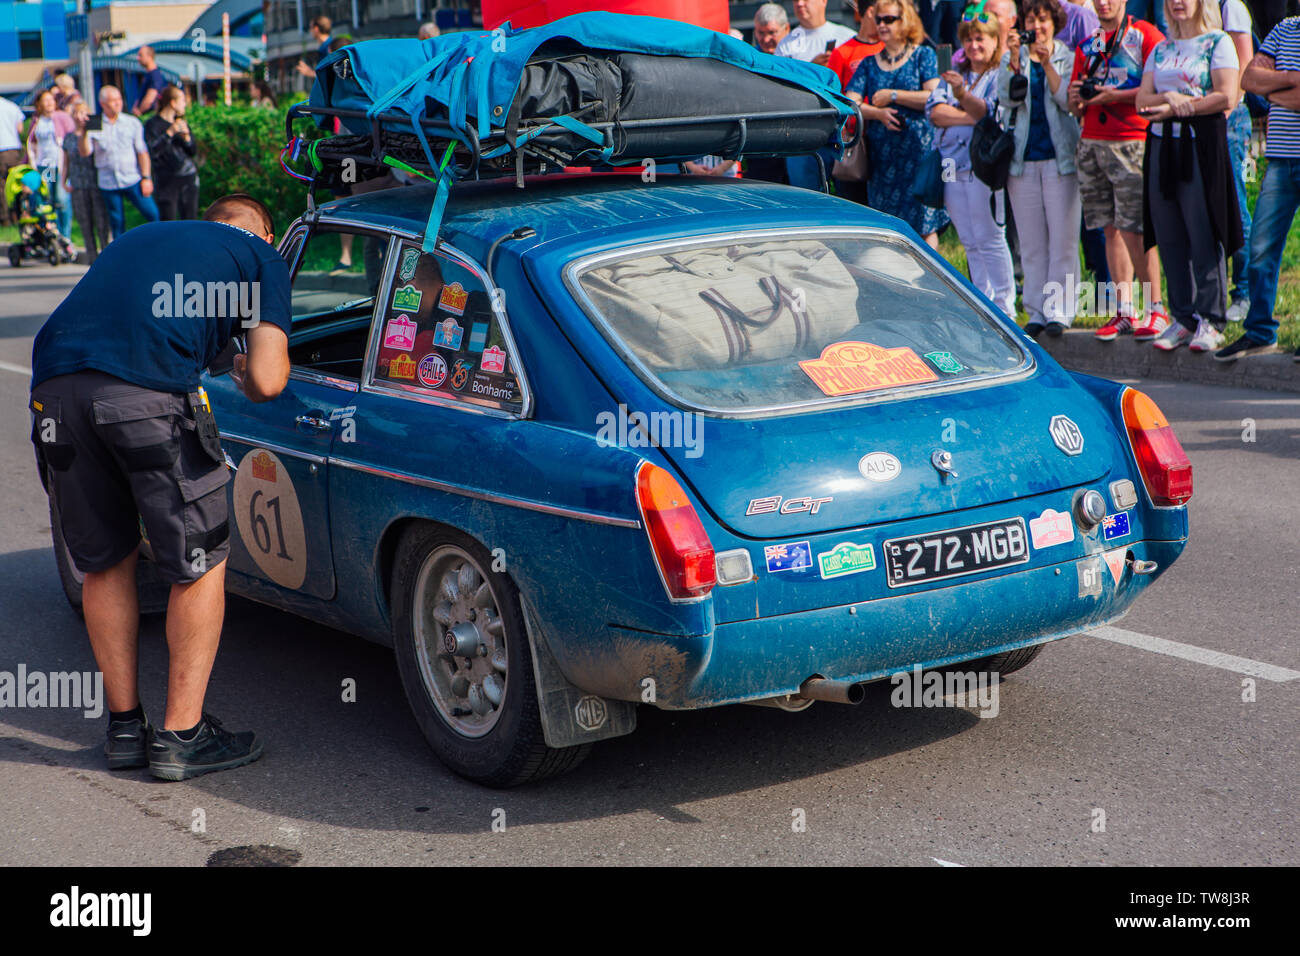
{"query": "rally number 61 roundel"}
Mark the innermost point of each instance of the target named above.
(269, 518)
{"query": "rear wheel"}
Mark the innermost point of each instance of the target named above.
(1007, 662)
(462, 653)
(15, 255)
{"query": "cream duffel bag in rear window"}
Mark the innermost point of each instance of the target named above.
(726, 305)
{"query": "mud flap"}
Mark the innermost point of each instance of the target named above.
(570, 716)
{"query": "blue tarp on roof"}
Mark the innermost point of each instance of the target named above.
(467, 81)
(475, 75)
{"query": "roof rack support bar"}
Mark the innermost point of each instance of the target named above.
(744, 138)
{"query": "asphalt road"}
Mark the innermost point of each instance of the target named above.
(1184, 770)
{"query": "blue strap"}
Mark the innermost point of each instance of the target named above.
(581, 129)
(569, 123)
(431, 228)
(385, 101)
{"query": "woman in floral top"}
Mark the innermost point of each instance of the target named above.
(1190, 201)
(892, 88)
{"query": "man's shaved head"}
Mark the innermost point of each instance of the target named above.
(242, 210)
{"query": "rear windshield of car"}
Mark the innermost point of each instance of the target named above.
(765, 323)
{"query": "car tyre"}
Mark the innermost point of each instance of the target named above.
(446, 594)
(1007, 662)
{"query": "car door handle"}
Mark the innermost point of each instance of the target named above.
(313, 423)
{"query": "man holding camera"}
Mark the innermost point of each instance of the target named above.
(1103, 90)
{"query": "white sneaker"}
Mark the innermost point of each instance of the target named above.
(1206, 339)
(1172, 337)
(1238, 309)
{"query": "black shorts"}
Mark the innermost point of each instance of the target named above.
(119, 456)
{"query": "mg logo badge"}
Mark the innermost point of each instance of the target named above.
(1066, 434)
(590, 713)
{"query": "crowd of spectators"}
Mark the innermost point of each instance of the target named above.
(1132, 142)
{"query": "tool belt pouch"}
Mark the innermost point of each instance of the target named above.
(205, 425)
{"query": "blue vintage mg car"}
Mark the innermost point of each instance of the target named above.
(681, 444)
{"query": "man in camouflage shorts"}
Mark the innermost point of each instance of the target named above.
(1103, 90)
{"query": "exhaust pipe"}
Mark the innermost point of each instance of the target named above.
(835, 691)
(792, 703)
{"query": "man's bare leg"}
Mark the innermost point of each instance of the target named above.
(195, 613)
(1120, 265)
(1146, 264)
(112, 609)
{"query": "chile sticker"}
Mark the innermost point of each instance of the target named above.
(432, 370)
(847, 368)
(269, 518)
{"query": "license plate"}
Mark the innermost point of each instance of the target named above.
(950, 554)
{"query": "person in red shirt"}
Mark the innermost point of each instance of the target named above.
(844, 59)
(1103, 91)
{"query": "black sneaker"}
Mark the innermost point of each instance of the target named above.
(125, 747)
(1033, 329)
(213, 748)
(1242, 347)
(1055, 330)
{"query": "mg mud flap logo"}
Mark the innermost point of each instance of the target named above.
(590, 713)
(1066, 434)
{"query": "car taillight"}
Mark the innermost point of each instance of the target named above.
(681, 547)
(1160, 458)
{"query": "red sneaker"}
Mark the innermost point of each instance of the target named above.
(1120, 325)
(1156, 322)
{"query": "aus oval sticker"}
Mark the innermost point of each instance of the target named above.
(879, 466)
(1066, 434)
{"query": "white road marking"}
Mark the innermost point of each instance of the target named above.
(946, 863)
(1229, 662)
(17, 369)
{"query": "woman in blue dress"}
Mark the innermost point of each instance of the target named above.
(892, 88)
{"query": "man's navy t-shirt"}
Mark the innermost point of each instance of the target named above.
(161, 302)
(153, 80)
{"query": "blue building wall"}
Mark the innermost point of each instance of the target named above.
(34, 29)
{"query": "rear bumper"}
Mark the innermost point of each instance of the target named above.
(769, 657)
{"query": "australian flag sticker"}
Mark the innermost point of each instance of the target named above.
(788, 557)
(1115, 526)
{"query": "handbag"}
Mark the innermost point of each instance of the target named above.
(854, 166)
(991, 150)
(927, 181)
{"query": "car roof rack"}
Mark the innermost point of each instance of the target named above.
(391, 144)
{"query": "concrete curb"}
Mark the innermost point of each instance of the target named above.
(1081, 351)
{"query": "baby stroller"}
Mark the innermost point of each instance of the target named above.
(28, 198)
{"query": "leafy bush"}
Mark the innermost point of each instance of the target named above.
(238, 152)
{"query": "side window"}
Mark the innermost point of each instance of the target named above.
(441, 336)
(333, 300)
